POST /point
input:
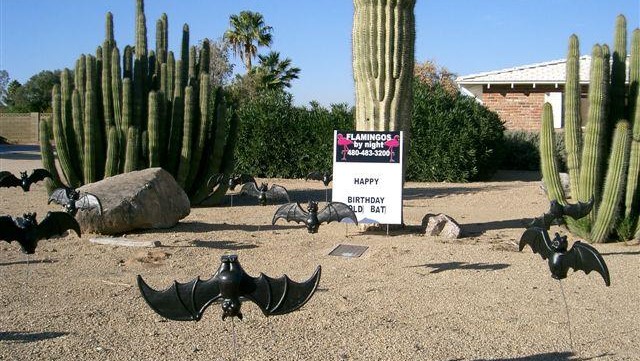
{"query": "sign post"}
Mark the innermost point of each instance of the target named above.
(367, 174)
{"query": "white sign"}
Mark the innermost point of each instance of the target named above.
(367, 175)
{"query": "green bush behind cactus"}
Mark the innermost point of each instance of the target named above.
(602, 162)
(142, 110)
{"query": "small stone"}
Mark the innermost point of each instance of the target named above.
(441, 225)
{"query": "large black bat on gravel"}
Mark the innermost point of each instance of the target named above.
(27, 231)
(230, 284)
(72, 200)
(333, 211)
(7, 179)
(557, 211)
(264, 193)
(581, 256)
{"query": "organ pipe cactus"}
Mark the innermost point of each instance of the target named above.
(142, 110)
(609, 165)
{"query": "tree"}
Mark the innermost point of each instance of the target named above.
(274, 73)
(430, 74)
(248, 31)
(34, 95)
(4, 82)
(220, 68)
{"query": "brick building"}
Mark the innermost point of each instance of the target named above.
(517, 94)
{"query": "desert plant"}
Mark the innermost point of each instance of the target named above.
(599, 166)
(383, 62)
(141, 110)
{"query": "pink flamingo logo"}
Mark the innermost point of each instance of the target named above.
(345, 143)
(391, 144)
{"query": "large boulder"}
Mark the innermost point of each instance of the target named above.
(143, 199)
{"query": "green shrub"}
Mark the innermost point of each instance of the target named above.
(278, 139)
(453, 137)
(521, 149)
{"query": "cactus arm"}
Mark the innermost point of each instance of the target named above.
(573, 123)
(614, 184)
(548, 158)
(48, 160)
(187, 129)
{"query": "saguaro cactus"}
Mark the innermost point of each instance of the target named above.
(383, 60)
(609, 165)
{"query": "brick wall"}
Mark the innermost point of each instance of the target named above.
(22, 128)
(519, 107)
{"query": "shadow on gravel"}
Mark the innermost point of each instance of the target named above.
(634, 253)
(24, 337)
(20, 156)
(441, 267)
(477, 229)
(551, 356)
(28, 262)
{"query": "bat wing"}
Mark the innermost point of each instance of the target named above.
(9, 230)
(245, 178)
(181, 301)
(277, 192)
(38, 174)
(538, 239)
(215, 180)
(290, 212)
(336, 211)
(314, 176)
(584, 257)
(89, 201)
(7, 179)
(250, 188)
(578, 210)
(544, 221)
(59, 196)
(277, 296)
(56, 223)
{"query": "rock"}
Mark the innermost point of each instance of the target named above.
(143, 199)
(441, 225)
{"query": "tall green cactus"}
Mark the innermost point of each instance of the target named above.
(383, 61)
(572, 118)
(140, 110)
(548, 157)
(609, 167)
(48, 161)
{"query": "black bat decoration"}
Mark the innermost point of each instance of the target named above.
(581, 256)
(233, 180)
(333, 211)
(73, 200)
(7, 179)
(230, 285)
(27, 231)
(557, 211)
(325, 177)
(264, 193)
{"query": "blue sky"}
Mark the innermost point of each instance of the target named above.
(466, 36)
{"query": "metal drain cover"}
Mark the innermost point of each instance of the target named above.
(347, 250)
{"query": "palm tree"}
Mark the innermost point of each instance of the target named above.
(247, 32)
(274, 73)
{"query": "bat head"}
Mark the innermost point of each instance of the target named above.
(559, 243)
(263, 187)
(24, 175)
(312, 206)
(231, 308)
(73, 195)
(556, 209)
(30, 218)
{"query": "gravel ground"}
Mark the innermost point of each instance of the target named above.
(408, 297)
